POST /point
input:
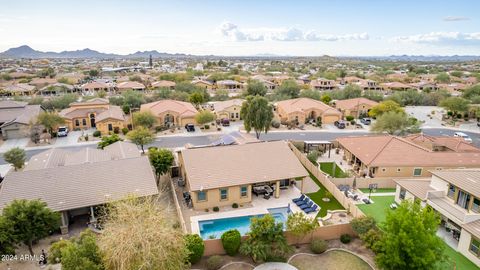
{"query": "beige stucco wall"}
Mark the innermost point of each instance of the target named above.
(213, 198)
(103, 125)
(227, 113)
(22, 131)
(406, 171)
(464, 245)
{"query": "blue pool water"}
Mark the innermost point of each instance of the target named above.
(216, 227)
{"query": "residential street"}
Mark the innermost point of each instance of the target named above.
(182, 140)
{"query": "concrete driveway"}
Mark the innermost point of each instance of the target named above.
(12, 143)
(70, 140)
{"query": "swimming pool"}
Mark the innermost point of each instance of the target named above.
(214, 228)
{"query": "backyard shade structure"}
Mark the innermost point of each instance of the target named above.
(223, 166)
(72, 183)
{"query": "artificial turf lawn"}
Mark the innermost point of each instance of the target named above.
(378, 190)
(378, 211)
(317, 197)
(327, 167)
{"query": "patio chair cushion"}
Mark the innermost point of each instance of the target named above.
(302, 202)
(299, 199)
(307, 205)
(311, 209)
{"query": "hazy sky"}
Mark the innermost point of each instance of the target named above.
(245, 27)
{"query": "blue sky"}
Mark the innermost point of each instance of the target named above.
(245, 27)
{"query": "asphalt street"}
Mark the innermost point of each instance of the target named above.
(181, 141)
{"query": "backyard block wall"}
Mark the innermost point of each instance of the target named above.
(364, 182)
(329, 185)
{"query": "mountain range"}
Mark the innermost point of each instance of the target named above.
(27, 52)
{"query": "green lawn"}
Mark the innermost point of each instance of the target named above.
(378, 190)
(317, 197)
(378, 211)
(378, 207)
(327, 167)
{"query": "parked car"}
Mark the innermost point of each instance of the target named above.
(190, 127)
(62, 132)
(225, 122)
(464, 136)
(366, 121)
(340, 124)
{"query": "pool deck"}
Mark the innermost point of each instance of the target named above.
(258, 206)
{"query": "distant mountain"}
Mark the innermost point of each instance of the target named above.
(422, 58)
(27, 52)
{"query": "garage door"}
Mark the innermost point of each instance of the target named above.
(13, 134)
(329, 119)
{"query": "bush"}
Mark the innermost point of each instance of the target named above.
(195, 246)
(235, 205)
(55, 255)
(160, 128)
(299, 145)
(216, 209)
(124, 131)
(345, 238)
(362, 225)
(207, 126)
(97, 133)
(231, 241)
(370, 238)
(313, 156)
(275, 124)
(318, 246)
(215, 262)
(349, 118)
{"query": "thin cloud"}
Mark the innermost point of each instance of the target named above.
(448, 38)
(455, 18)
(233, 32)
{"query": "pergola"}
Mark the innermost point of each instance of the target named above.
(325, 144)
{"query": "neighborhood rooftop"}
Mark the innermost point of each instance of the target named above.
(221, 166)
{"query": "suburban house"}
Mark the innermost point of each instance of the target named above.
(95, 86)
(57, 89)
(229, 109)
(20, 89)
(171, 112)
(125, 86)
(301, 110)
(16, 118)
(76, 183)
(224, 175)
(411, 156)
(203, 84)
(233, 87)
(164, 84)
(368, 85)
(421, 86)
(396, 86)
(323, 84)
(356, 107)
(455, 195)
(94, 113)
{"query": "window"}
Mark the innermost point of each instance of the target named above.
(201, 196)
(417, 172)
(476, 205)
(232, 115)
(223, 193)
(77, 123)
(84, 121)
(243, 191)
(398, 169)
(110, 127)
(451, 191)
(403, 192)
(475, 246)
(383, 169)
(236, 115)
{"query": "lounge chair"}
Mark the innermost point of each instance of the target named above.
(306, 200)
(299, 199)
(311, 209)
(307, 205)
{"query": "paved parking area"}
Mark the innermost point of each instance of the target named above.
(70, 140)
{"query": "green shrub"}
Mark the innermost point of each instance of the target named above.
(370, 238)
(235, 205)
(160, 128)
(125, 131)
(313, 156)
(231, 241)
(97, 133)
(207, 126)
(216, 209)
(195, 246)
(352, 122)
(345, 238)
(318, 246)
(215, 262)
(349, 118)
(55, 255)
(299, 145)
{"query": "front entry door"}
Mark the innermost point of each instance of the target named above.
(92, 120)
